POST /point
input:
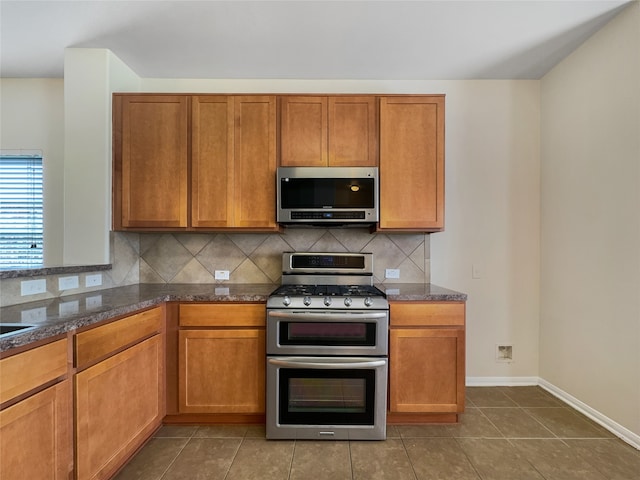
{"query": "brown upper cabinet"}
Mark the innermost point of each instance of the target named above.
(412, 163)
(208, 162)
(194, 162)
(320, 131)
(150, 161)
(233, 162)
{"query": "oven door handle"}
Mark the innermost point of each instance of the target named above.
(320, 363)
(328, 316)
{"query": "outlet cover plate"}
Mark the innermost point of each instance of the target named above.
(94, 280)
(221, 274)
(67, 283)
(392, 273)
(32, 287)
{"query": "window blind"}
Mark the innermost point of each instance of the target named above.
(21, 227)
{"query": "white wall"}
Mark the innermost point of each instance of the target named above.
(91, 75)
(32, 118)
(590, 269)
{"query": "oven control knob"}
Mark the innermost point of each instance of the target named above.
(327, 301)
(286, 301)
(348, 302)
(368, 302)
(306, 301)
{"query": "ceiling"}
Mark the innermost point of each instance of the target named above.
(356, 39)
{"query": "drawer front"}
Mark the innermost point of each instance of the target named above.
(99, 342)
(28, 370)
(420, 314)
(223, 315)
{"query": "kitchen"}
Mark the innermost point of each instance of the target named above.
(512, 224)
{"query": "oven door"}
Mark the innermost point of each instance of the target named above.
(354, 332)
(330, 398)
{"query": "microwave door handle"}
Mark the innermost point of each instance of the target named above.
(306, 362)
(328, 316)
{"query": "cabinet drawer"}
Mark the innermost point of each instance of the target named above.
(98, 342)
(31, 369)
(407, 314)
(223, 315)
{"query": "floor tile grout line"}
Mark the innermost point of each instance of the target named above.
(526, 459)
(234, 455)
(293, 453)
(406, 452)
(491, 422)
(166, 470)
(475, 469)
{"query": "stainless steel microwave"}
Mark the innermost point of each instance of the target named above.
(328, 196)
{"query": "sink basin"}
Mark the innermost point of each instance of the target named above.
(7, 328)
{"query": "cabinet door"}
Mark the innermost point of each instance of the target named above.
(353, 132)
(150, 161)
(412, 163)
(118, 406)
(222, 371)
(254, 165)
(35, 436)
(426, 370)
(303, 131)
(212, 161)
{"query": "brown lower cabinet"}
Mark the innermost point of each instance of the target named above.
(119, 401)
(119, 386)
(36, 431)
(426, 361)
(221, 359)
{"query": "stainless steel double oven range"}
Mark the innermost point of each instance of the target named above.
(327, 350)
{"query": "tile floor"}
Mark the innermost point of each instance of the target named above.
(510, 433)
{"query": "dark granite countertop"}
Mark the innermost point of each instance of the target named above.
(425, 292)
(61, 315)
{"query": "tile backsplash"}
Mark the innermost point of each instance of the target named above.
(250, 258)
(257, 258)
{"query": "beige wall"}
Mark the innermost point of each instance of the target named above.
(492, 195)
(32, 118)
(590, 269)
(91, 75)
(492, 211)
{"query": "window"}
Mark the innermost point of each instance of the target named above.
(21, 228)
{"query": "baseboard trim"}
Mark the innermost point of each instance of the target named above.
(618, 430)
(614, 427)
(501, 381)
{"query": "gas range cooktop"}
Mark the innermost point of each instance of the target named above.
(328, 290)
(327, 281)
(328, 297)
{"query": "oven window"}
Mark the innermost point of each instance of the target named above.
(326, 397)
(328, 333)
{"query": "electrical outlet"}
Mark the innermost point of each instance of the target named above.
(221, 274)
(93, 280)
(392, 273)
(32, 287)
(67, 283)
